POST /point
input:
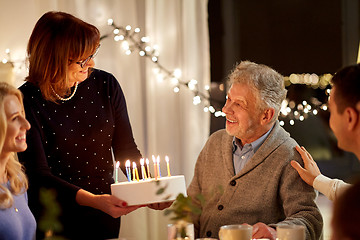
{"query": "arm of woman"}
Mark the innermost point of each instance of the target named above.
(310, 171)
(123, 142)
(105, 202)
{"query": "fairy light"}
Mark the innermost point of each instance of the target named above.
(160, 78)
(177, 73)
(175, 81)
(125, 45)
(211, 109)
(196, 100)
(292, 111)
(289, 109)
(131, 41)
(192, 84)
(145, 39)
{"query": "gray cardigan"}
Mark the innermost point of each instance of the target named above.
(266, 190)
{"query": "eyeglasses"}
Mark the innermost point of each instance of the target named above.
(83, 63)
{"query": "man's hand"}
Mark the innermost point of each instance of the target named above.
(310, 170)
(160, 206)
(261, 230)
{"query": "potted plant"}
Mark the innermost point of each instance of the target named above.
(182, 210)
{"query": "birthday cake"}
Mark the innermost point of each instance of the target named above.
(162, 189)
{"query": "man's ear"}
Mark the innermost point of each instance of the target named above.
(267, 116)
(352, 118)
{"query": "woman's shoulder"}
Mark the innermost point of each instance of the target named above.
(104, 79)
(28, 89)
(27, 86)
(101, 75)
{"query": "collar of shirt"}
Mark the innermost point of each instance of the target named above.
(242, 154)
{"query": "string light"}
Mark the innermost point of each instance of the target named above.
(288, 111)
(131, 41)
(291, 112)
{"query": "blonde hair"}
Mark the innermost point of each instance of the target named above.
(14, 170)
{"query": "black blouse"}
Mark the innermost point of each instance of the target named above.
(70, 143)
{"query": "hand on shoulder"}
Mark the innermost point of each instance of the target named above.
(310, 170)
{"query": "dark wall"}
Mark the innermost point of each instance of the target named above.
(297, 36)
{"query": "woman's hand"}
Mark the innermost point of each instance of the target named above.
(109, 204)
(113, 206)
(310, 170)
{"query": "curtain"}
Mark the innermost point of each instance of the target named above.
(163, 122)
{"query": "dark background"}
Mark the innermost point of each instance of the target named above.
(297, 36)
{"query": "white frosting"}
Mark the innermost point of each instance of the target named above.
(145, 192)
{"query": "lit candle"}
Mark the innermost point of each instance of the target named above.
(155, 171)
(143, 173)
(167, 165)
(158, 165)
(147, 166)
(128, 171)
(136, 171)
(134, 175)
(117, 171)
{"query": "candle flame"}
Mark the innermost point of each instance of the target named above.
(142, 162)
(134, 164)
(153, 158)
(167, 159)
(117, 164)
(158, 159)
(147, 161)
(127, 163)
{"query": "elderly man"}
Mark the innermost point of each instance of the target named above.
(344, 105)
(244, 172)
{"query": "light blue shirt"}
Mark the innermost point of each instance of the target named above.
(17, 222)
(242, 154)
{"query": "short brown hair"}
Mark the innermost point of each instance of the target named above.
(347, 84)
(57, 38)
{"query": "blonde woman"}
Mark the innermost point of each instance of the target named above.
(17, 221)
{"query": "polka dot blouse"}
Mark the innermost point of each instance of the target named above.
(70, 143)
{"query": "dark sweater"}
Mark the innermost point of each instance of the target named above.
(70, 147)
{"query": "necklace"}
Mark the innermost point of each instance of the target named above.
(65, 99)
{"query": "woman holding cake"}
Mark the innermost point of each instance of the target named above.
(79, 119)
(17, 221)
